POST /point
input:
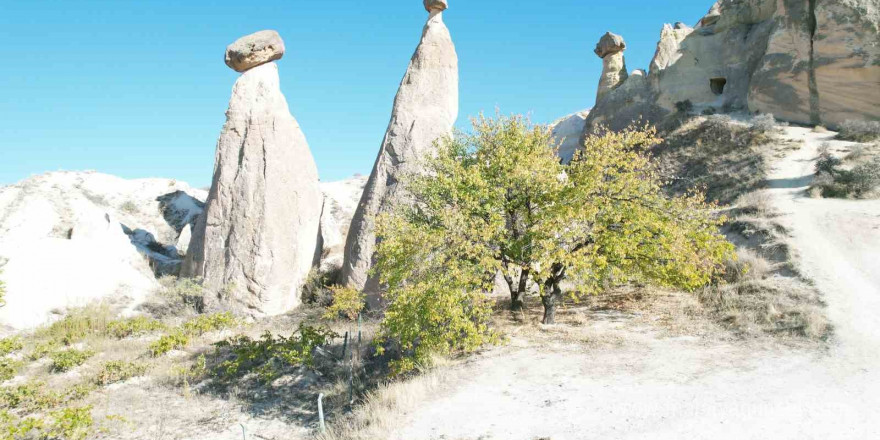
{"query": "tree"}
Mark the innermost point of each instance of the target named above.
(498, 200)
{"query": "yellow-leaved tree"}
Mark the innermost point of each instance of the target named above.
(498, 200)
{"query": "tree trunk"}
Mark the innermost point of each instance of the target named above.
(551, 300)
(518, 296)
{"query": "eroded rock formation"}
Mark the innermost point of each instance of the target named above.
(610, 48)
(425, 109)
(805, 61)
(257, 239)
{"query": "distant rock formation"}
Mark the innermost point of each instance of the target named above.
(68, 238)
(257, 239)
(425, 109)
(566, 132)
(805, 61)
(610, 48)
(340, 202)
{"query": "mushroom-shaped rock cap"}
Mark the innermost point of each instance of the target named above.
(252, 50)
(436, 5)
(610, 44)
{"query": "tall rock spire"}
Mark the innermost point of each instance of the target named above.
(257, 239)
(425, 109)
(610, 48)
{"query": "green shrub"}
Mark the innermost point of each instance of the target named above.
(13, 428)
(136, 326)
(10, 345)
(859, 131)
(71, 423)
(270, 355)
(187, 293)
(29, 397)
(8, 368)
(208, 323)
(684, 107)
(118, 371)
(42, 349)
(128, 207)
(66, 360)
(173, 341)
(347, 302)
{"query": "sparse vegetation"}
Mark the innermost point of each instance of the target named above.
(77, 325)
(66, 360)
(181, 337)
(10, 345)
(128, 207)
(684, 107)
(8, 368)
(859, 131)
(118, 371)
(173, 341)
(178, 296)
(715, 155)
(856, 176)
(270, 355)
(136, 326)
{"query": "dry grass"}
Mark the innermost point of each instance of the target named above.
(716, 154)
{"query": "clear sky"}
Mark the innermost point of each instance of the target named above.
(138, 88)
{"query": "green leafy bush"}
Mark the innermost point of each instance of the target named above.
(119, 371)
(42, 349)
(14, 428)
(8, 368)
(173, 341)
(208, 323)
(136, 326)
(347, 302)
(10, 345)
(71, 423)
(29, 397)
(66, 360)
(270, 355)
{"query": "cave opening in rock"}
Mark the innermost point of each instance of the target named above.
(717, 85)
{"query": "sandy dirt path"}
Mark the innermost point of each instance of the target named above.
(676, 388)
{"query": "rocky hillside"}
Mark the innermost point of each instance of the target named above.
(67, 238)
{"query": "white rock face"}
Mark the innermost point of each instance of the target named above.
(63, 241)
(566, 132)
(340, 202)
(257, 240)
(253, 50)
(425, 110)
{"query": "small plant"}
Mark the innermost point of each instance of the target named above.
(268, 356)
(71, 423)
(347, 302)
(128, 207)
(139, 325)
(69, 359)
(42, 349)
(209, 323)
(8, 368)
(119, 371)
(832, 180)
(709, 111)
(859, 131)
(10, 345)
(764, 123)
(77, 325)
(13, 427)
(29, 397)
(174, 341)
(186, 292)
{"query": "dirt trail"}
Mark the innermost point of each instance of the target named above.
(674, 388)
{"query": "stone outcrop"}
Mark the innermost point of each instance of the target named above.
(258, 237)
(566, 132)
(67, 238)
(425, 109)
(805, 61)
(252, 50)
(610, 48)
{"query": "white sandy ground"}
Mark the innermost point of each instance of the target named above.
(688, 388)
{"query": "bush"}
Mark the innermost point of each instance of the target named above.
(119, 371)
(67, 360)
(209, 323)
(42, 349)
(8, 368)
(71, 423)
(270, 355)
(836, 182)
(128, 207)
(174, 341)
(764, 123)
(139, 325)
(10, 345)
(684, 107)
(14, 428)
(183, 293)
(348, 302)
(315, 288)
(859, 131)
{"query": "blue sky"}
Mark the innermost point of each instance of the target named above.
(139, 88)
